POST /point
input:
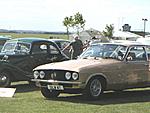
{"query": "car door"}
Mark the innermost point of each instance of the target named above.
(19, 60)
(62, 45)
(39, 54)
(137, 67)
(55, 54)
(45, 52)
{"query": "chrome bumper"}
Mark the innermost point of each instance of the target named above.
(74, 85)
(56, 81)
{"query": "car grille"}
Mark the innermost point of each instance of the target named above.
(55, 75)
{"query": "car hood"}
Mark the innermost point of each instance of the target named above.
(76, 65)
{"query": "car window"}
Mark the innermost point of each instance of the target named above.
(8, 47)
(22, 48)
(53, 50)
(1, 44)
(16, 47)
(39, 48)
(137, 54)
(104, 51)
(62, 44)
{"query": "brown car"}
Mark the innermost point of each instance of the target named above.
(104, 66)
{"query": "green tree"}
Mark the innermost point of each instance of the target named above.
(68, 23)
(76, 21)
(108, 32)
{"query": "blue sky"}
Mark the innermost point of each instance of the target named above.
(48, 15)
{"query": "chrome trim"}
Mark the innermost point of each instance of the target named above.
(55, 81)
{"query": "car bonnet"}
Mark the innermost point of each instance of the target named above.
(74, 65)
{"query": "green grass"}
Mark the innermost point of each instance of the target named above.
(28, 99)
(17, 35)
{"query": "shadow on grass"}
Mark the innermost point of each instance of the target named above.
(129, 96)
(111, 98)
(20, 88)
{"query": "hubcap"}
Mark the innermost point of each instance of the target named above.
(95, 88)
(3, 79)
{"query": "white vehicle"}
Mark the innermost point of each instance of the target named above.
(145, 41)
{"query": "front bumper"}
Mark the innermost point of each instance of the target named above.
(66, 84)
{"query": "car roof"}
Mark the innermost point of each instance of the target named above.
(145, 41)
(4, 38)
(56, 40)
(123, 43)
(29, 39)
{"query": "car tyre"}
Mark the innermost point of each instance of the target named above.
(49, 93)
(5, 80)
(94, 89)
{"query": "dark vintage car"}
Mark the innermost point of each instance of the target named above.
(19, 57)
(62, 43)
(101, 67)
(3, 39)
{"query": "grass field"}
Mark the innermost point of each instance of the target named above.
(17, 35)
(28, 99)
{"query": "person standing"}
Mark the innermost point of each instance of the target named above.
(76, 47)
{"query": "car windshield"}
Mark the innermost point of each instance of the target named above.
(16, 47)
(105, 51)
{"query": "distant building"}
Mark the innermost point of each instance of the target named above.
(126, 27)
(141, 33)
(125, 35)
(87, 34)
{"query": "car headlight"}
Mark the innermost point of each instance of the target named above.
(75, 76)
(68, 75)
(36, 74)
(42, 74)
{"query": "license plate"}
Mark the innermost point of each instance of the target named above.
(55, 87)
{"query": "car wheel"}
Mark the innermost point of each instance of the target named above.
(49, 93)
(94, 89)
(4, 79)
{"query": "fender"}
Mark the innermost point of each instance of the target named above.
(16, 72)
(96, 74)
